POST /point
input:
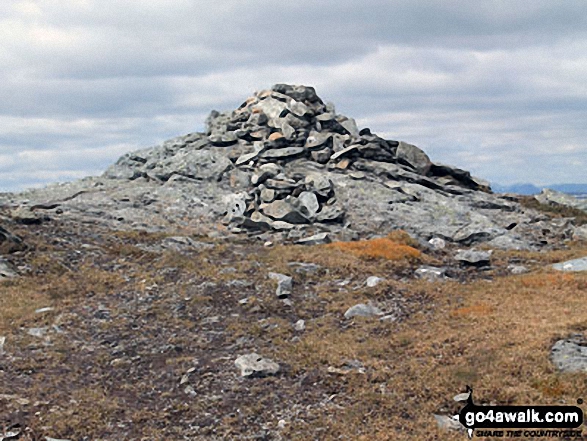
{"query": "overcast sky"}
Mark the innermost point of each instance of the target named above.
(496, 87)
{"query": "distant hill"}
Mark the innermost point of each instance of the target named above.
(529, 189)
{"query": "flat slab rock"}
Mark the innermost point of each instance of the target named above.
(253, 365)
(362, 310)
(572, 265)
(473, 257)
(570, 355)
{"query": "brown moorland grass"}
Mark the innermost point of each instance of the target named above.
(396, 246)
(494, 335)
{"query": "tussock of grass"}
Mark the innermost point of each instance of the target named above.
(383, 248)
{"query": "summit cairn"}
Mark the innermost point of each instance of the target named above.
(285, 166)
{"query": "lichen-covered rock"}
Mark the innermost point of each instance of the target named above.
(570, 355)
(253, 365)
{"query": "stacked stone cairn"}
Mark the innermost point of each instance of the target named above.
(274, 151)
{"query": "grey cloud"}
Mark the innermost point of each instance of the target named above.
(494, 86)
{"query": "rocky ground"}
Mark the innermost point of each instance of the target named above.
(133, 335)
(256, 282)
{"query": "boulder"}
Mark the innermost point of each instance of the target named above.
(307, 203)
(552, 197)
(580, 233)
(282, 210)
(284, 285)
(363, 310)
(430, 273)
(572, 265)
(254, 366)
(473, 257)
(570, 354)
(414, 157)
(7, 270)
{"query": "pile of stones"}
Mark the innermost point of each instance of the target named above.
(285, 166)
(276, 148)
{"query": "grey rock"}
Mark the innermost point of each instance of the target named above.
(281, 184)
(247, 157)
(437, 243)
(570, 354)
(327, 116)
(320, 184)
(331, 213)
(7, 270)
(281, 153)
(317, 140)
(473, 257)
(357, 175)
(375, 151)
(345, 152)
(430, 273)
(183, 181)
(362, 310)
(518, 269)
(258, 217)
(446, 422)
(271, 107)
(373, 281)
(304, 268)
(580, 233)
(223, 139)
(300, 325)
(284, 285)
(509, 242)
(553, 197)
(184, 243)
(26, 216)
(9, 242)
(197, 164)
(321, 156)
(284, 127)
(271, 168)
(256, 221)
(413, 156)
(316, 239)
(572, 265)
(284, 211)
(298, 108)
(254, 366)
(38, 332)
(350, 126)
(236, 205)
(297, 92)
(308, 204)
(267, 195)
(282, 226)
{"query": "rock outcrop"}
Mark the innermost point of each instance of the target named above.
(9, 242)
(285, 164)
(557, 198)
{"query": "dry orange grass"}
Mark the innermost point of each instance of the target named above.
(392, 247)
